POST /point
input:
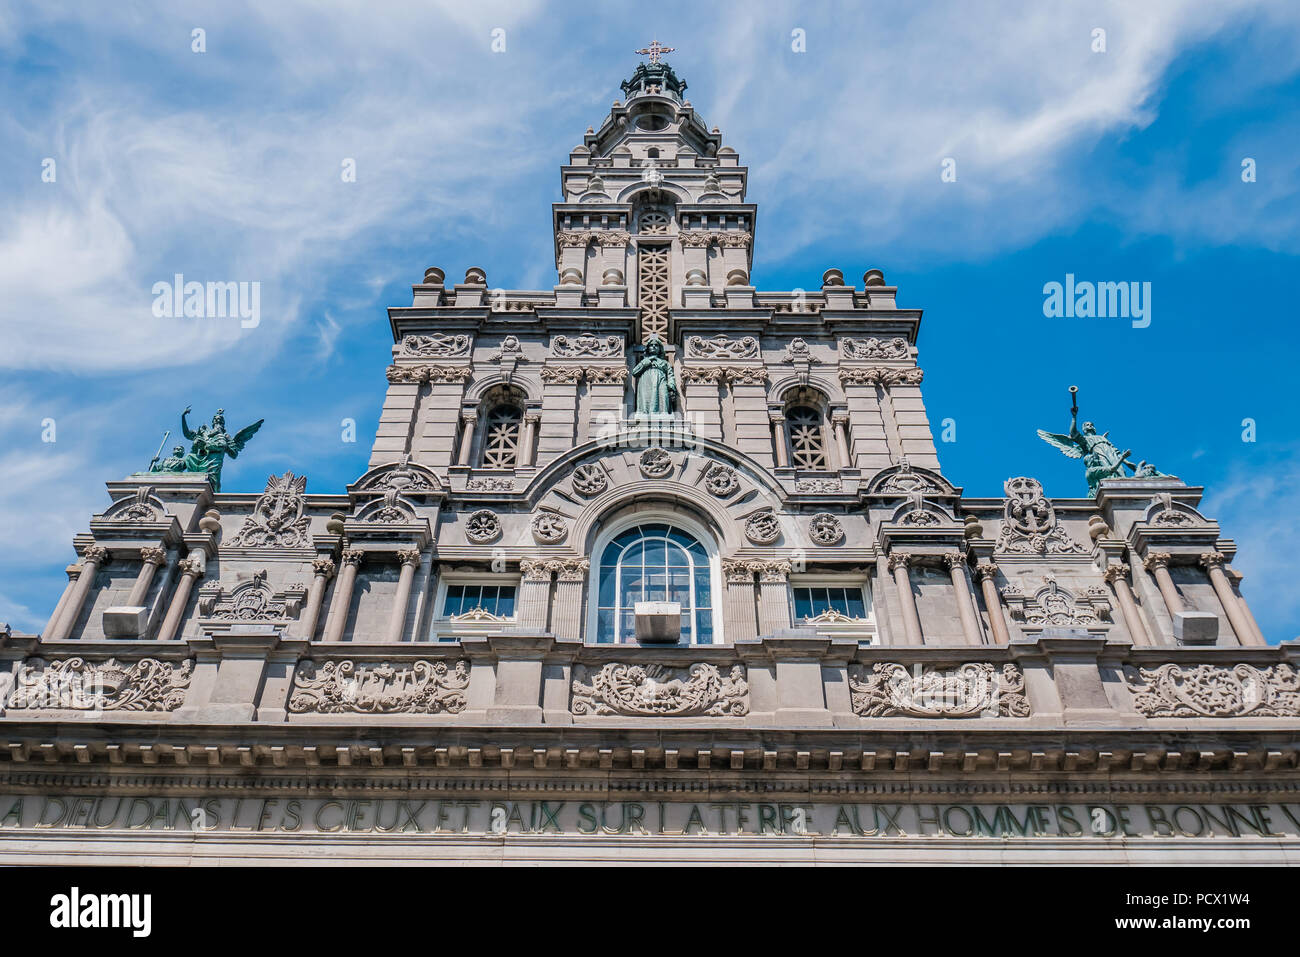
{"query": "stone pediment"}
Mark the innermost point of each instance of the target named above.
(904, 479)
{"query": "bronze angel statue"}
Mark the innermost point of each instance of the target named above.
(1101, 460)
(209, 445)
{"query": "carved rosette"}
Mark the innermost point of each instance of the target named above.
(825, 529)
(971, 690)
(1215, 691)
(590, 479)
(763, 528)
(338, 687)
(76, 684)
(483, 526)
(655, 462)
(721, 480)
(549, 528)
(654, 691)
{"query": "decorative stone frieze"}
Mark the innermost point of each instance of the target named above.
(721, 347)
(1029, 523)
(818, 485)
(971, 690)
(1215, 691)
(605, 375)
(437, 345)
(587, 345)
(441, 375)
(654, 691)
(883, 375)
(345, 686)
(76, 684)
(873, 348)
(490, 485)
(561, 375)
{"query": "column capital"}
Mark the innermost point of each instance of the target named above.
(535, 571)
(986, 571)
(192, 567)
(1116, 571)
(772, 571)
(953, 559)
(153, 555)
(1212, 560)
(569, 569)
(353, 557)
(1156, 560)
(469, 415)
(94, 554)
(408, 556)
(897, 559)
(324, 567)
(738, 573)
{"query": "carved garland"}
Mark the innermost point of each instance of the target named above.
(423, 687)
(653, 691)
(972, 690)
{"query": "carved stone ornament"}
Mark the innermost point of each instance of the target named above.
(1215, 691)
(590, 479)
(143, 506)
(76, 684)
(653, 691)
(798, 351)
(1054, 606)
(390, 510)
(818, 485)
(421, 687)
(483, 526)
(763, 528)
(277, 520)
(655, 463)
(439, 345)
(721, 480)
(904, 480)
(587, 346)
(882, 375)
(253, 600)
(1029, 524)
(561, 375)
(825, 529)
(549, 528)
(874, 348)
(440, 375)
(401, 475)
(720, 347)
(490, 485)
(972, 690)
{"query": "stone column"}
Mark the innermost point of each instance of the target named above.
(324, 571)
(527, 438)
(534, 594)
(410, 559)
(778, 440)
(341, 605)
(570, 576)
(970, 628)
(91, 560)
(773, 597)
(468, 418)
(898, 562)
(1235, 580)
(74, 572)
(1157, 563)
(191, 569)
(987, 573)
(840, 423)
(1213, 564)
(1117, 575)
(151, 558)
(741, 621)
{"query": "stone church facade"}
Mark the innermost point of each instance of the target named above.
(761, 626)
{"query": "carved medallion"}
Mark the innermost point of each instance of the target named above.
(549, 528)
(277, 520)
(873, 348)
(655, 463)
(825, 529)
(587, 346)
(721, 480)
(483, 526)
(1029, 524)
(590, 479)
(763, 528)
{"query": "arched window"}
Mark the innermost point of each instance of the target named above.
(654, 561)
(502, 429)
(805, 430)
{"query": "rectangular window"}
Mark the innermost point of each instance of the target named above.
(816, 600)
(496, 600)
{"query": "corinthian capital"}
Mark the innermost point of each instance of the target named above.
(738, 573)
(534, 571)
(153, 555)
(1156, 560)
(1115, 572)
(94, 555)
(408, 556)
(953, 560)
(986, 570)
(323, 567)
(897, 559)
(1213, 559)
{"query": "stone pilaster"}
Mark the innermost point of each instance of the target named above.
(956, 564)
(773, 596)
(190, 570)
(753, 430)
(534, 594)
(898, 564)
(741, 622)
(341, 605)
(323, 571)
(92, 559)
(559, 411)
(566, 614)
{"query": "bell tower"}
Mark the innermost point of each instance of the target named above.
(654, 204)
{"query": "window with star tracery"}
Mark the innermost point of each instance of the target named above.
(805, 430)
(502, 430)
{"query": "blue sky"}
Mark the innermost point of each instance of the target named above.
(1123, 165)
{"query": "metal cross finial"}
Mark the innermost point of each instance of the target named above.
(654, 51)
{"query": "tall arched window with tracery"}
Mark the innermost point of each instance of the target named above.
(805, 430)
(654, 561)
(503, 428)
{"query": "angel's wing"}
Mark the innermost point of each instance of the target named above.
(1062, 442)
(243, 435)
